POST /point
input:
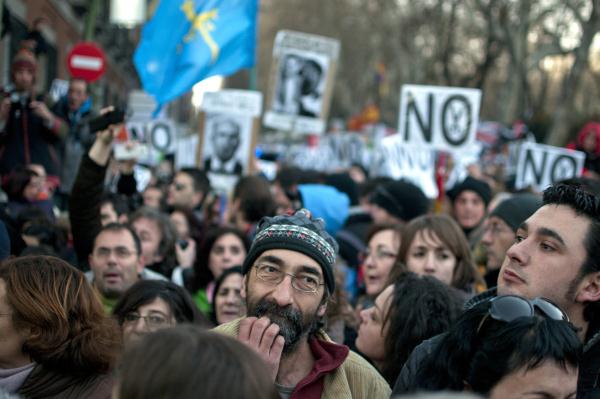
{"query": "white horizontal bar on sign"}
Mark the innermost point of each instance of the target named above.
(85, 62)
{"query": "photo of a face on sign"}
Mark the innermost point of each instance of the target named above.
(300, 85)
(226, 144)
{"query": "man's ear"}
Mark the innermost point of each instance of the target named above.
(243, 292)
(141, 263)
(322, 309)
(589, 288)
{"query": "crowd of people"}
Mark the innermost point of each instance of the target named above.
(313, 285)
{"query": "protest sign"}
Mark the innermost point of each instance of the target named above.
(394, 158)
(301, 82)
(540, 166)
(441, 118)
(227, 134)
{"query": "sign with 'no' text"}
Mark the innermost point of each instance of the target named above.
(441, 118)
(541, 165)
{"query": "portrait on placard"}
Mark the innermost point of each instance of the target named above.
(300, 85)
(226, 144)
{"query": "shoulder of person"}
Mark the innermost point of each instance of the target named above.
(361, 378)
(231, 328)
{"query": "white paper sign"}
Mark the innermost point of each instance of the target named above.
(240, 102)
(442, 118)
(396, 159)
(540, 166)
(301, 82)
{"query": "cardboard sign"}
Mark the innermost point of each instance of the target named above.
(301, 82)
(227, 135)
(441, 118)
(540, 166)
(396, 159)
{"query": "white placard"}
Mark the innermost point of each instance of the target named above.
(396, 159)
(441, 118)
(540, 166)
(300, 88)
(59, 89)
(226, 144)
(239, 102)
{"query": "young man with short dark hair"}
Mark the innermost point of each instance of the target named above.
(556, 255)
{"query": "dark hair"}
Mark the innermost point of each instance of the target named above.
(57, 309)
(450, 234)
(482, 354)
(583, 203)
(175, 363)
(196, 228)
(14, 183)
(218, 282)
(202, 273)
(420, 307)
(168, 235)
(200, 181)
(118, 227)
(119, 202)
(145, 291)
(379, 227)
(256, 200)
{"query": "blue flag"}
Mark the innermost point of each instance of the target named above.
(187, 41)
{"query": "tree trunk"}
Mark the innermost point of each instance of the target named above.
(563, 117)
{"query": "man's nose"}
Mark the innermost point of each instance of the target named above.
(284, 292)
(518, 252)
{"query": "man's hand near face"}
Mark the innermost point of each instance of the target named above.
(263, 337)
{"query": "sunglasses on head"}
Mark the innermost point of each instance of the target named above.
(508, 308)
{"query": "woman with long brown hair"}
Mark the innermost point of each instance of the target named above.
(435, 245)
(55, 339)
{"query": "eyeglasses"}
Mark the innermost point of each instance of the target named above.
(303, 281)
(496, 229)
(379, 254)
(120, 252)
(508, 308)
(152, 321)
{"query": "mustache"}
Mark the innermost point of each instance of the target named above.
(289, 320)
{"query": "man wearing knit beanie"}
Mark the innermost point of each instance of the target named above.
(397, 202)
(501, 227)
(469, 201)
(288, 279)
(29, 132)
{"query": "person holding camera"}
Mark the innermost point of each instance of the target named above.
(29, 132)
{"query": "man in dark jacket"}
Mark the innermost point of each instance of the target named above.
(74, 111)
(29, 132)
(557, 256)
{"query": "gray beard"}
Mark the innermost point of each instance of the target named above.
(292, 326)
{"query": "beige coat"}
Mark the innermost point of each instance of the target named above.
(355, 379)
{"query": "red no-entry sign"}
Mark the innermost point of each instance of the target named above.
(86, 61)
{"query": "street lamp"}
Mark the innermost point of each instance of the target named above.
(127, 13)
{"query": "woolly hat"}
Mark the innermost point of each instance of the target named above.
(516, 209)
(24, 59)
(479, 187)
(298, 233)
(401, 199)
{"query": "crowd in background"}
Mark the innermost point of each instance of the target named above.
(96, 274)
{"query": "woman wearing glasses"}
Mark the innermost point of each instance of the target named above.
(507, 347)
(435, 245)
(379, 257)
(150, 305)
(413, 309)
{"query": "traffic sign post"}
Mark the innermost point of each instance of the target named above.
(86, 61)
